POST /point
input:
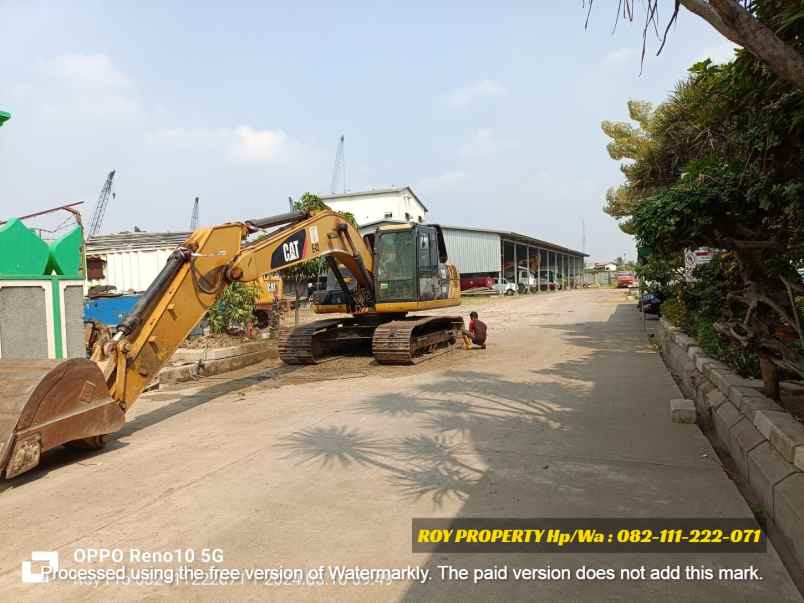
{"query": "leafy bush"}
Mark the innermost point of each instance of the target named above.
(720, 164)
(699, 324)
(718, 347)
(234, 307)
(659, 274)
(674, 312)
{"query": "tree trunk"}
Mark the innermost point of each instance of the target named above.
(741, 27)
(770, 378)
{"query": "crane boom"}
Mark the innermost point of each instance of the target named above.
(339, 170)
(194, 218)
(100, 206)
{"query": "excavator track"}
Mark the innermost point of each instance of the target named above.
(415, 339)
(323, 340)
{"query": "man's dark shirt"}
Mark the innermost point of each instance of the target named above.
(478, 330)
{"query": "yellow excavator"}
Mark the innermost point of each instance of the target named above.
(399, 269)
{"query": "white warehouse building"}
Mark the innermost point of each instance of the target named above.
(474, 251)
(399, 204)
(486, 252)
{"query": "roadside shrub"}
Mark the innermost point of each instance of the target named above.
(716, 346)
(699, 324)
(234, 308)
(674, 311)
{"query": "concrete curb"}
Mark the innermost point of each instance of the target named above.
(765, 441)
(189, 355)
(204, 363)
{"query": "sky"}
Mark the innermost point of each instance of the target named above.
(490, 111)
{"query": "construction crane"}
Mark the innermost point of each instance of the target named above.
(100, 206)
(339, 169)
(194, 219)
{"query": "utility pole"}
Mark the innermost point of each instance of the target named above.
(583, 235)
(194, 218)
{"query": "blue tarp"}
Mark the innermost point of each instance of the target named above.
(110, 310)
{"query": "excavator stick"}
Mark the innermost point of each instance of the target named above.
(46, 403)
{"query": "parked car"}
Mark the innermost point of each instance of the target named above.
(651, 303)
(526, 280)
(625, 279)
(476, 282)
(504, 287)
(547, 280)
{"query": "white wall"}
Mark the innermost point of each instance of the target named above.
(132, 269)
(372, 208)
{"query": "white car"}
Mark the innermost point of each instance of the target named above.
(504, 287)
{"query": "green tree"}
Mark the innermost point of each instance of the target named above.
(235, 307)
(724, 168)
(634, 144)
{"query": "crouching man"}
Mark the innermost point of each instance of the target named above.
(476, 334)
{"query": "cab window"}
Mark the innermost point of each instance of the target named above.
(395, 257)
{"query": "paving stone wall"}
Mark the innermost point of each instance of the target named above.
(765, 441)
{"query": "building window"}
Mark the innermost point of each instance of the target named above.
(407, 217)
(420, 220)
(389, 214)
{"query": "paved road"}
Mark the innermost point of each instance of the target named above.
(565, 414)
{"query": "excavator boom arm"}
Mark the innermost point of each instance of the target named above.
(197, 273)
(77, 402)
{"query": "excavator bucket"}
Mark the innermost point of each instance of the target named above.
(46, 403)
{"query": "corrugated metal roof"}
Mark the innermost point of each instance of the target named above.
(134, 240)
(378, 191)
(520, 238)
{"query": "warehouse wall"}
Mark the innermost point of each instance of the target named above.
(373, 208)
(130, 269)
(473, 251)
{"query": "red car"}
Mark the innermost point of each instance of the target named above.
(625, 279)
(476, 282)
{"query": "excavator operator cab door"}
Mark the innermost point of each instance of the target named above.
(427, 245)
(409, 264)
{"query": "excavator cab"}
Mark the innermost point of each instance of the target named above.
(410, 267)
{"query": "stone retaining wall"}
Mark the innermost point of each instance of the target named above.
(213, 361)
(765, 441)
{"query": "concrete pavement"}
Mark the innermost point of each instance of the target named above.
(564, 415)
